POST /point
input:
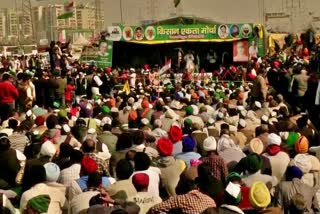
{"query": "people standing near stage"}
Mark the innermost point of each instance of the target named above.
(8, 94)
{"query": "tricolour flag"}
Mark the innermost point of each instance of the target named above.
(68, 10)
(166, 67)
(126, 88)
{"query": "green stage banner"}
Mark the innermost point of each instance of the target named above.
(218, 32)
(104, 55)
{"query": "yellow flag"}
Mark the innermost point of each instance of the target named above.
(260, 31)
(126, 88)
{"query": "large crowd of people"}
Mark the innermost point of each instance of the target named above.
(78, 139)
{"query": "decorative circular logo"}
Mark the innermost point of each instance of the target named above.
(223, 31)
(138, 33)
(114, 33)
(150, 33)
(127, 33)
(246, 30)
(234, 31)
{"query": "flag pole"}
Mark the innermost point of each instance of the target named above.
(121, 15)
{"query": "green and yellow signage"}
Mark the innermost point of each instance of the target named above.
(173, 33)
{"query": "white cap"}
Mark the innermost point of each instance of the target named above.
(264, 118)
(195, 109)
(66, 128)
(243, 113)
(211, 121)
(240, 108)
(145, 121)
(106, 120)
(303, 162)
(158, 123)
(274, 139)
(58, 126)
(48, 149)
(114, 109)
(273, 120)
(91, 131)
(273, 114)
(257, 104)
(242, 123)
(89, 106)
(220, 115)
(29, 113)
(98, 122)
(210, 144)
(125, 126)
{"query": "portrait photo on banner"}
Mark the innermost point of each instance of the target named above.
(240, 51)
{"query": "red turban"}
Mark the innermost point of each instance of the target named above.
(88, 165)
(140, 180)
(108, 70)
(39, 121)
(133, 115)
(165, 146)
(175, 134)
(111, 103)
(276, 64)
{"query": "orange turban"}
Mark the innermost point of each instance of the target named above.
(111, 103)
(302, 145)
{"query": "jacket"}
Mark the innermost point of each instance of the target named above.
(109, 140)
(171, 170)
(68, 93)
(8, 92)
(10, 166)
(279, 164)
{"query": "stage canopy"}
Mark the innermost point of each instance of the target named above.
(167, 36)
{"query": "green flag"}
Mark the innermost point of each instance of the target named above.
(68, 10)
(176, 3)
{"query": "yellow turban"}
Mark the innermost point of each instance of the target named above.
(259, 195)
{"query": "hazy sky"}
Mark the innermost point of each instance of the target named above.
(219, 10)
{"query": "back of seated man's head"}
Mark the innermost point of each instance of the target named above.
(4, 142)
(88, 146)
(13, 124)
(94, 180)
(76, 156)
(225, 131)
(124, 169)
(107, 127)
(260, 130)
(224, 126)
